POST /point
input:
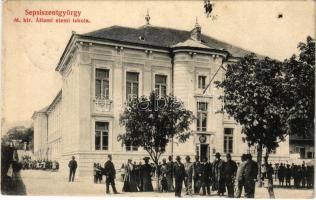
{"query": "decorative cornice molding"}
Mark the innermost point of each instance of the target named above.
(56, 100)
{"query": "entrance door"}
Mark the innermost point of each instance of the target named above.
(204, 151)
(302, 152)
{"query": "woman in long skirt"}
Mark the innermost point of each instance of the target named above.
(146, 172)
(129, 178)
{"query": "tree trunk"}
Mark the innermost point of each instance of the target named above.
(157, 188)
(259, 161)
(270, 184)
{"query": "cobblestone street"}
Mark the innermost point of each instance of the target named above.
(51, 183)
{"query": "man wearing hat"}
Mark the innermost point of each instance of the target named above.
(169, 174)
(72, 168)
(110, 175)
(197, 172)
(239, 176)
(218, 171)
(206, 176)
(162, 174)
(179, 174)
(188, 166)
(288, 176)
(146, 172)
(250, 176)
(230, 169)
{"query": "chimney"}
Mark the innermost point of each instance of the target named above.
(196, 32)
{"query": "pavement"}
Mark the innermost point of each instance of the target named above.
(47, 183)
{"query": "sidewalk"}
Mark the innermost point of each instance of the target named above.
(39, 182)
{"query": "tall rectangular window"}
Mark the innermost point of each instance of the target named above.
(132, 84)
(129, 146)
(161, 85)
(201, 116)
(202, 81)
(102, 83)
(101, 135)
(228, 140)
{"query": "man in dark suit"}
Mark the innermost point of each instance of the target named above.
(250, 176)
(110, 175)
(230, 169)
(206, 176)
(72, 169)
(218, 175)
(179, 174)
(197, 172)
(169, 174)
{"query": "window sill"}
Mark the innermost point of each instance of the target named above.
(204, 132)
(200, 94)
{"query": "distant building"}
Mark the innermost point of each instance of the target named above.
(47, 130)
(102, 69)
(302, 147)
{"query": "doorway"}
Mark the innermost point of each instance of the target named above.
(204, 151)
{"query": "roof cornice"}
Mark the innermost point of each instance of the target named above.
(110, 42)
(103, 41)
(66, 51)
(54, 102)
(207, 51)
(37, 113)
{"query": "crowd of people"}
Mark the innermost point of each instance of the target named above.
(302, 175)
(200, 177)
(28, 163)
(137, 177)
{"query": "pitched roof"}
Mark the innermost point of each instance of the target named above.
(43, 110)
(47, 108)
(160, 37)
(191, 43)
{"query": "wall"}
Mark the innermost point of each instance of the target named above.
(118, 62)
(80, 111)
(40, 135)
(70, 112)
(55, 130)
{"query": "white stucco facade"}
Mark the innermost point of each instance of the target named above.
(70, 125)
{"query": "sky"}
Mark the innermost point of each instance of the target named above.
(31, 50)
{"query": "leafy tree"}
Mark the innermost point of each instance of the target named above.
(300, 89)
(152, 122)
(19, 133)
(253, 95)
